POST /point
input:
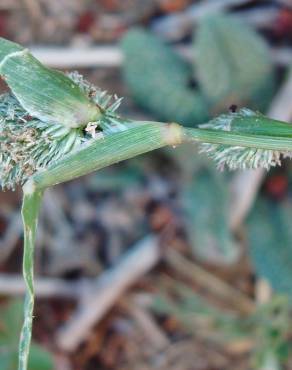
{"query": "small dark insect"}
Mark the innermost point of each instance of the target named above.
(28, 117)
(233, 108)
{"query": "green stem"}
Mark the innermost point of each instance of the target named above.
(142, 138)
(30, 209)
(137, 139)
(279, 143)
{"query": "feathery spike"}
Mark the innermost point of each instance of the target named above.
(248, 122)
(27, 144)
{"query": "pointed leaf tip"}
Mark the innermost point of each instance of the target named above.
(8, 47)
(45, 93)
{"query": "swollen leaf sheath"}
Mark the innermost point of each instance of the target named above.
(139, 138)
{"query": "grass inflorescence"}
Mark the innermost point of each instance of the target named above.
(28, 144)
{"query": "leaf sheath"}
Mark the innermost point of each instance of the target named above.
(141, 138)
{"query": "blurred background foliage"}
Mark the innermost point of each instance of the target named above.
(219, 293)
(11, 322)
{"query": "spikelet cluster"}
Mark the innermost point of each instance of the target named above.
(237, 157)
(28, 145)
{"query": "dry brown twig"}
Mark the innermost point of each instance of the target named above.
(210, 282)
(12, 285)
(106, 290)
(111, 56)
(145, 321)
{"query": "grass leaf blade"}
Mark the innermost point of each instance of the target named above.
(30, 209)
(46, 94)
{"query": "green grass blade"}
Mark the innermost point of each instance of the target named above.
(238, 139)
(8, 47)
(45, 93)
(205, 200)
(141, 138)
(30, 210)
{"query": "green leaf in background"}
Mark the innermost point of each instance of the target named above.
(153, 52)
(45, 93)
(158, 79)
(270, 243)
(39, 359)
(205, 199)
(233, 65)
(10, 326)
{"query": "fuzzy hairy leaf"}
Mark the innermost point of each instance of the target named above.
(46, 94)
(205, 200)
(233, 65)
(270, 243)
(158, 79)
